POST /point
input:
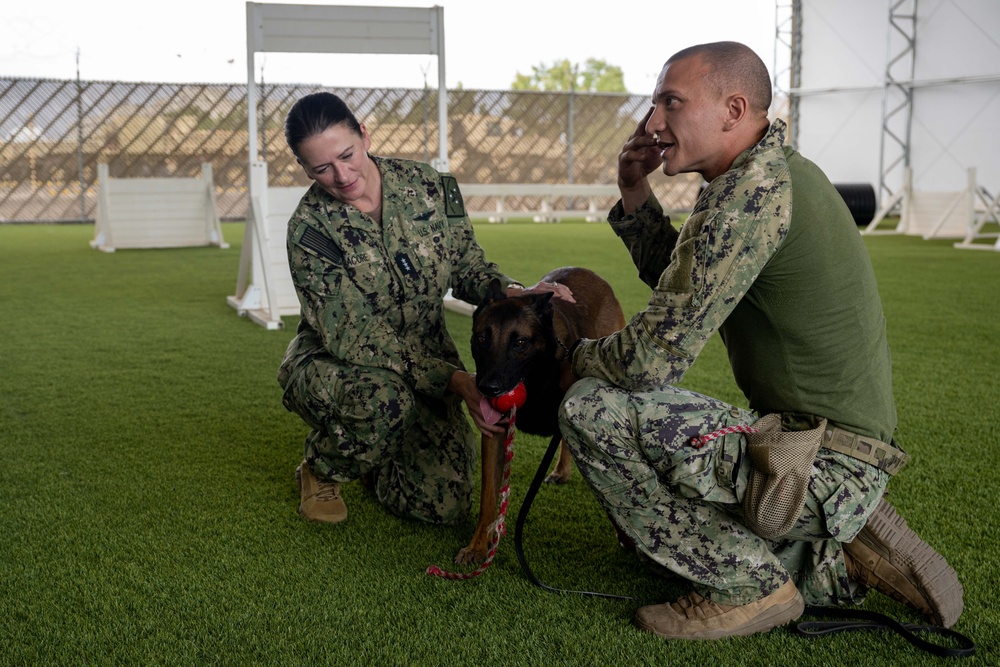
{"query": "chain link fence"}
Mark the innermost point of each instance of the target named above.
(54, 134)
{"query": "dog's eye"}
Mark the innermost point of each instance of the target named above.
(480, 339)
(520, 342)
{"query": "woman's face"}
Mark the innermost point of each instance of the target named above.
(337, 159)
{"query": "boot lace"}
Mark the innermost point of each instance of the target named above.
(328, 491)
(694, 605)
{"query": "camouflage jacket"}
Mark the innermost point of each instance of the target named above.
(698, 273)
(372, 294)
(791, 290)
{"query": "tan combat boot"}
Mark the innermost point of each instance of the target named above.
(320, 501)
(889, 557)
(694, 617)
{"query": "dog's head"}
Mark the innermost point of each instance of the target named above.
(508, 334)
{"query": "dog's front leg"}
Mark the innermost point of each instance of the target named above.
(491, 463)
(563, 468)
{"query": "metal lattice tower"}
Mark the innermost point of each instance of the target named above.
(897, 97)
(788, 41)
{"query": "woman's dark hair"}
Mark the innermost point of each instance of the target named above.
(314, 114)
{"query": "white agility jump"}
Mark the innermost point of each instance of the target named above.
(264, 289)
(984, 230)
(548, 193)
(942, 215)
(156, 212)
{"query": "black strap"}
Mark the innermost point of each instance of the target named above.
(860, 619)
(850, 619)
(522, 515)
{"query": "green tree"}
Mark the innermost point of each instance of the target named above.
(596, 76)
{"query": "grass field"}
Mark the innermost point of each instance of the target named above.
(149, 511)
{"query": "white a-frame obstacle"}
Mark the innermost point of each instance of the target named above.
(264, 290)
(156, 212)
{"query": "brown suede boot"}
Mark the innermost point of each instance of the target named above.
(694, 617)
(320, 501)
(889, 557)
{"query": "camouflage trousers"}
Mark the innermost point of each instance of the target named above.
(421, 451)
(682, 506)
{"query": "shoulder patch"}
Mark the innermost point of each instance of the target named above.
(454, 205)
(319, 245)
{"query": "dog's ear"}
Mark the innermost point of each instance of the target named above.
(540, 303)
(494, 292)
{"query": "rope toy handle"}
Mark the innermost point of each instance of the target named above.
(700, 441)
(508, 403)
(499, 525)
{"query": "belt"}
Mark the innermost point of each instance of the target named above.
(884, 456)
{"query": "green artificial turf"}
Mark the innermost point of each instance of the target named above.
(149, 510)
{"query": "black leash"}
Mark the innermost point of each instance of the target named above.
(871, 620)
(522, 515)
(849, 619)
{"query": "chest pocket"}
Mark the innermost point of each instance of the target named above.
(683, 282)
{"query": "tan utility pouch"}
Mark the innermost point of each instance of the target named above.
(781, 465)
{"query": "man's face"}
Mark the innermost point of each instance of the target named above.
(337, 159)
(688, 119)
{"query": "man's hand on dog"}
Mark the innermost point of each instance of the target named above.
(558, 290)
(464, 384)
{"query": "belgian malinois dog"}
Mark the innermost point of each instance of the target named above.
(526, 339)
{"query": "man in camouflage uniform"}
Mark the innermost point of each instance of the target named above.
(373, 246)
(771, 259)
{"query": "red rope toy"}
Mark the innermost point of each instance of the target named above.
(504, 403)
(700, 441)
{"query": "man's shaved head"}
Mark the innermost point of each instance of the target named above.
(734, 68)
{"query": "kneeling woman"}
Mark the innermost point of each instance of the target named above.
(373, 247)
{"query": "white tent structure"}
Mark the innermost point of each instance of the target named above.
(264, 290)
(902, 94)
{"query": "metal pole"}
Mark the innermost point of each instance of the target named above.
(424, 104)
(569, 131)
(263, 112)
(442, 94)
(251, 85)
(569, 137)
(795, 75)
(79, 135)
(893, 86)
(788, 41)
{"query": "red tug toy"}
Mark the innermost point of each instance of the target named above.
(495, 408)
(512, 399)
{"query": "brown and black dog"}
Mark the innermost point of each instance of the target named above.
(525, 339)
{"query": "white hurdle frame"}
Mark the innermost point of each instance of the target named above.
(161, 212)
(263, 285)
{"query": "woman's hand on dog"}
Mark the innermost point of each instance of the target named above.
(464, 384)
(558, 290)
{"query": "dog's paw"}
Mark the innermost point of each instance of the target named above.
(470, 555)
(557, 477)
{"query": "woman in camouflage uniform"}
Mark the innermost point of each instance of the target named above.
(373, 247)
